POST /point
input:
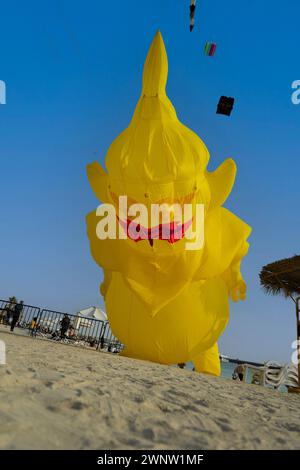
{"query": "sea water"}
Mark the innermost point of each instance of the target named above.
(227, 368)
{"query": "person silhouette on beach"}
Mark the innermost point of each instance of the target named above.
(16, 314)
(65, 323)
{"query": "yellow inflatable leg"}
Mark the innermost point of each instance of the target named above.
(208, 362)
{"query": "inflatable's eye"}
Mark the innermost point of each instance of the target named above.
(109, 186)
(146, 195)
(195, 188)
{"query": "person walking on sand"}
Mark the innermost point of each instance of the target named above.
(33, 326)
(16, 314)
(9, 309)
(65, 323)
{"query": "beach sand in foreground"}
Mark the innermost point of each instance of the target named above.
(55, 396)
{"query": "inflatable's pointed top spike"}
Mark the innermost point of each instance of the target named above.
(155, 72)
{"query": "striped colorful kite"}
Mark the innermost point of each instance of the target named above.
(210, 49)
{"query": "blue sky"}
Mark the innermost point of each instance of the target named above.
(73, 76)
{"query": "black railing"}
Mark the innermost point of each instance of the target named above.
(28, 313)
(60, 326)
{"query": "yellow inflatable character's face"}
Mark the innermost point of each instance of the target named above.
(157, 160)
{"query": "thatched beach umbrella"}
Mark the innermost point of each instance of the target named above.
(283, 278)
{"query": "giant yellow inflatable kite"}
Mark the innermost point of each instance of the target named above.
(167, 303)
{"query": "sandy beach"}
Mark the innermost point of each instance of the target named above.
(56, 396)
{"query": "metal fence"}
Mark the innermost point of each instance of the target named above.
(28, 313)
(64, 327)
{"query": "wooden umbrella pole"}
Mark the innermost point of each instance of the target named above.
(298, 338)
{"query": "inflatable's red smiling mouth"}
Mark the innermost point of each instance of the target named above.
(172, 232)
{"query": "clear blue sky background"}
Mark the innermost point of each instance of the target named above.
(73, 73)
